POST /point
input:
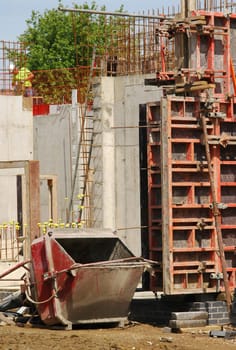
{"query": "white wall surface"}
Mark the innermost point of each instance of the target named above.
(16, 143)
(16, 130)
(120, 100)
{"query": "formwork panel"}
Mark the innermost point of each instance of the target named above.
(182, 231)
(192, 165)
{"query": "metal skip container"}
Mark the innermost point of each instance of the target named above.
(83, 276)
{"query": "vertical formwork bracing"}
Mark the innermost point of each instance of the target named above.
(192, 192)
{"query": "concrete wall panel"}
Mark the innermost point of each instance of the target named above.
(121, 190)
(52, 148)
(16, 143)
(16, 125)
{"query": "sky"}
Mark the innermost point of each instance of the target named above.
(14, 13)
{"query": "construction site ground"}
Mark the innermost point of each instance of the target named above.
(135, 336)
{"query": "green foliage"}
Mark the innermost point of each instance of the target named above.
(57, 39)
(59, 43)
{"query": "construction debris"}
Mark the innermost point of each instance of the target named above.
(227, 334)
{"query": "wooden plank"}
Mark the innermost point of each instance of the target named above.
(34, 198)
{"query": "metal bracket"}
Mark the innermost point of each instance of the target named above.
(201, 224)
(216, 276)
(222, 206)
(48, 275)
(208, 105)
(219, 115)
(219, 206)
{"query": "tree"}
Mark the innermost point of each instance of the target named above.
(63, 42)
(57, 39)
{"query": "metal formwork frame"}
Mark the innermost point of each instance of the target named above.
(183, 234)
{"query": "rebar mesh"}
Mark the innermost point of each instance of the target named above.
(12, 54)
(131, 45)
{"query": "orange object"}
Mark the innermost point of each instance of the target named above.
(233, 75)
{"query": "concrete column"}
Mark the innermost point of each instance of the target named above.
(108, 154)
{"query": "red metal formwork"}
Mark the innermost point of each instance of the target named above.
(182, 226)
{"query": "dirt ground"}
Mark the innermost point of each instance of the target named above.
(131, 337)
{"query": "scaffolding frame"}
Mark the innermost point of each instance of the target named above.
(191, 162)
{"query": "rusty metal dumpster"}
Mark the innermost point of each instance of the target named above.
(83, 277)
